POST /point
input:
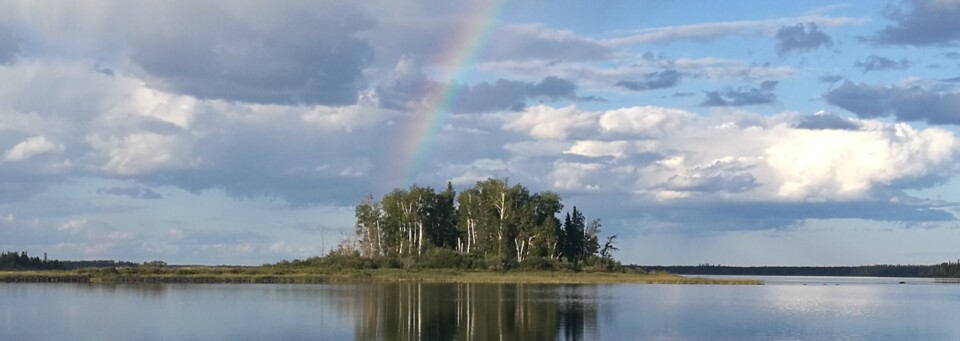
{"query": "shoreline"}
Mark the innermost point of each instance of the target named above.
(234, 275)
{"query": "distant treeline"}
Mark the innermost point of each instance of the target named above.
(22, 261)
(100, 263)
(943, 270)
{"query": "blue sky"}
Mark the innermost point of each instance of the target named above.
(243, 132)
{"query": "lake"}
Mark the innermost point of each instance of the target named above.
(787, 308)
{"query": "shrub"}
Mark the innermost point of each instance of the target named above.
(440, 258)
(537, 263)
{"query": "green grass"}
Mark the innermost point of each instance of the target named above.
(319, 275)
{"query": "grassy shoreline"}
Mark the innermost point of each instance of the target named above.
(257, 275)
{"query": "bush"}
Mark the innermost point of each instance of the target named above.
(493, 263)
(440, 258)
(536, 263)
(387, 262)
(347, 260)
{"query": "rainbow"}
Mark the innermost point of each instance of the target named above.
(460, 53)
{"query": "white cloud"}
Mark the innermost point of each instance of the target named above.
(600, 148)
(670, 154)
(73, 225)
(843, 165)
(644, 121)
(142, 152)
(31, 147)
(549, 123)
(574, 176)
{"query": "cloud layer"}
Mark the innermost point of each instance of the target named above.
(903, 102)
(920, 22)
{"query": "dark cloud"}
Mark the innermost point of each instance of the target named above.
(742, 96)
(906, 103)
(720, 182)
(953, 79)
(733, 216)
(423, 39)
(654, 80)
(801, 38)
(683, 94)
(19, 185)
(133, 192)
(952, 55)
(313, 55)
(513, 95)
(408, 88)
(824, 121)
(532, 42)
(920, 22)
(9, 45)
(830, 78)
(877, 63)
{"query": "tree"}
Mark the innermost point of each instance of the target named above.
(574, 237)
(607, 251)
(591, 235)
(368, 227)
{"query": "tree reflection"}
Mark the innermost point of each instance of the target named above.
(422, 311)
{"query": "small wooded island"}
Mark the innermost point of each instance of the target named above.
(493, 232)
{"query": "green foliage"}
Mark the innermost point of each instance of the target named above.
(440, 258)
(537, 263)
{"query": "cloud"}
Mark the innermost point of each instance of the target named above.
(133, 192)
(598, 76)
(904, 102)
(9, 45)
(296, 54)
(701, 218)
(409, 88)
(536, 42)
(142, 152)
(830, 78)
(74, 225)
(506, 94)
(711, 31)
(657, 155)
(801, 38)
(31, 147)
(545, 122)
(920, 23)
(654, 80)
(742, 96)
(877, 63)
(826, 120)
(426, 34)
(116, 127)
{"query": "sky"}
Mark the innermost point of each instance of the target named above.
(244, 132)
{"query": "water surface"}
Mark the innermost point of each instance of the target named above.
(788, 308)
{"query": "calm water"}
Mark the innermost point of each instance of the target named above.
(788, 308)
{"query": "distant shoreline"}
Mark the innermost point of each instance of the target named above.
(258, 276)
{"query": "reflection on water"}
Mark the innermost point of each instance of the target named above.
(793, 309)
(417, 311)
